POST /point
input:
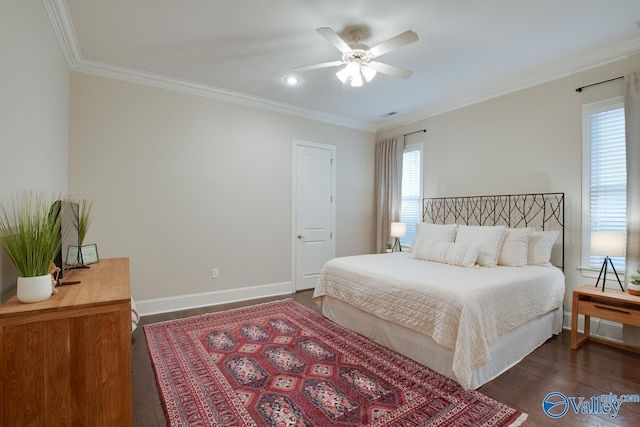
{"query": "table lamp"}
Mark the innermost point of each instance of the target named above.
(608, 243)
(398, 230)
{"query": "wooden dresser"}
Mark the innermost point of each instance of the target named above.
(66, 361)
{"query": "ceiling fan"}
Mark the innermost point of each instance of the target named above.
(360, 59)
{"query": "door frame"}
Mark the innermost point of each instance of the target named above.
(298, 143)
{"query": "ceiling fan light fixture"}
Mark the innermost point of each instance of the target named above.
(356, 81)
(368, 73)
(343, 75)
(353, 72)
(353, 68)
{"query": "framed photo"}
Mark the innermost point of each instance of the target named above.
(90, 254)
(72, 255)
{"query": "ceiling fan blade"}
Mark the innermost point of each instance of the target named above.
(393, 43)
(334, 39)
(316, 66)
(390, 70)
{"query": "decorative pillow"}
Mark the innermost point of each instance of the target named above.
(540, 246)
(513, 252)
(460, 254)
(489, 237)
(443, 232)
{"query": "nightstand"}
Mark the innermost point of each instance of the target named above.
(612, 304)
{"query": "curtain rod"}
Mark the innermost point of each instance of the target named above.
(599, 83)
(411, 133)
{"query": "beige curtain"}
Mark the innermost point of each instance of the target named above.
(388, 187)
(632, 129)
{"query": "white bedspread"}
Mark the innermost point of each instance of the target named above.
(463, 309)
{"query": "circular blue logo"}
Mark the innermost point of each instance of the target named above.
(555, 404)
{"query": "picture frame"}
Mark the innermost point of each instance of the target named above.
(88, 254)
(72, 255)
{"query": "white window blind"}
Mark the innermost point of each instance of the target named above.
(607, 176)
(410, 210)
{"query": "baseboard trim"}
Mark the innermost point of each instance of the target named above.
(599, 327)
(203, 299)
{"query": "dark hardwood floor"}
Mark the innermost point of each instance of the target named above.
(593, 370)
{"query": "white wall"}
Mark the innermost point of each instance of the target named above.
(527, 141)
(34, 94)
(182, 184)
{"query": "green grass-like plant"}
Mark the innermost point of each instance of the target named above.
(30, 232)
(82, 219)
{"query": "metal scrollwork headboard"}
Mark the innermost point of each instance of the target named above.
(542, 211)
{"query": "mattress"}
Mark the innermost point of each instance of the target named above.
(463, 310)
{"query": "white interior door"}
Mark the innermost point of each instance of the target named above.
(314, 212)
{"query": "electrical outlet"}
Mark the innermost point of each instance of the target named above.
(214, 273)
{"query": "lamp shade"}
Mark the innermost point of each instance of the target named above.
(354, 71)
(343, 75)
(368, 72)
(356, 81)
(398, 229)
(608, 243)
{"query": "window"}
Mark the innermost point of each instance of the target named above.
(604, 175)
(410, 210)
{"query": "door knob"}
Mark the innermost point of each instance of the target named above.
(300, 236)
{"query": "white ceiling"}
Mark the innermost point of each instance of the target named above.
(241, 50)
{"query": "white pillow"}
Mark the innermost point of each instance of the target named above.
(513, 252)
(460, 254)
(489, 237)
(540, 246)
(443, 232)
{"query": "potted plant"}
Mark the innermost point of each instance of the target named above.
(82, 220)
(30, 234)
(389, 247)
(634, 284)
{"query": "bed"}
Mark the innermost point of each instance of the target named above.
(467, 323)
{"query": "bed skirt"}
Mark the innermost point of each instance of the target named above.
(509, 349)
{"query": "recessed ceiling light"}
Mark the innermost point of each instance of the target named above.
(292, 80)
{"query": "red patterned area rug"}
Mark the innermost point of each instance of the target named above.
(282, 364)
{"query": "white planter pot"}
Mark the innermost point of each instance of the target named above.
(34, 289)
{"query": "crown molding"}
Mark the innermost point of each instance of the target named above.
(567, 68)
(63, 28)
(207, 91)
